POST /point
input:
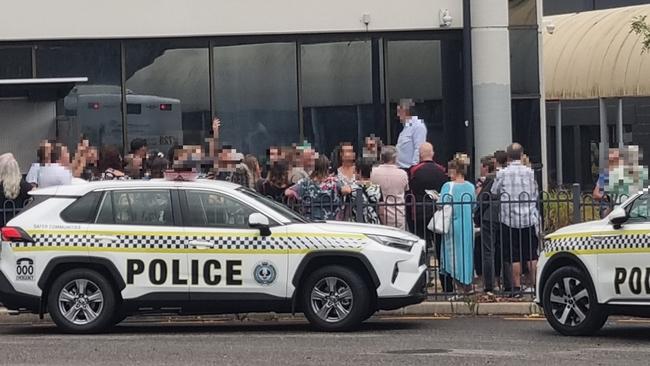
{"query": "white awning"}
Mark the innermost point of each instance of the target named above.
(593, 55)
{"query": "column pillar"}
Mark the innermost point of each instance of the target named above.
(490, 76)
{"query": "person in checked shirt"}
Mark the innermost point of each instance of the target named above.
(413, 135)
(516, 188)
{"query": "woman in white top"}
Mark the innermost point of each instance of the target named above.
(58, 172)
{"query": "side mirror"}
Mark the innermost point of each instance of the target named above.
(618, 217)
(258, 221)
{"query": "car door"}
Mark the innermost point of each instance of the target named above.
(139, 230)
(226, 256)
(624, 256)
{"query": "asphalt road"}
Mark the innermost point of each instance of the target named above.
(387, 341)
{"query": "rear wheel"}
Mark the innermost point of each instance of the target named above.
(81, 301)
(335, 298)
(570, 303)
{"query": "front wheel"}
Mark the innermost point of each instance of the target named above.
(81, 301)
(335, 298)
(570, 303)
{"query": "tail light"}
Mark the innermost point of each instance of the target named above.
(15, 234)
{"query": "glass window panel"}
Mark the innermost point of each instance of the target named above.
(15, 62)
(256, 95)
(552, 7)
(210, 209)
(524, 61)
(169, 80)
(337, 94)
(526, 131)
(150, 207)
(414, 70)
(92, 109)
(523, 12)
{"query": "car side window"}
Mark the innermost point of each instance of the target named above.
(211, 209)
(146, 207)
(83, 209)
(639, 208)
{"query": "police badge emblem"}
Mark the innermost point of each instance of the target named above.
(264, 273)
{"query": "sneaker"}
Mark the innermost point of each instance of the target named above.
(457, 298)
(527, 290)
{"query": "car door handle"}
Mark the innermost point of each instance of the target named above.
(201, 244)
(108, 238)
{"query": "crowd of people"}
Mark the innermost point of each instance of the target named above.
(400, 186)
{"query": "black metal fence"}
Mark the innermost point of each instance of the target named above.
(483, 253)
(492, 246)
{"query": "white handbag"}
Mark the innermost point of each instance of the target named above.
(441, 220)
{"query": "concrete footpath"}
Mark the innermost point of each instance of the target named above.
(427, 308)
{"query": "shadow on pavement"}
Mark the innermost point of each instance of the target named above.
(210, 327)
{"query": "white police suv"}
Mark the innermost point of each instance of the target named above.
(589, 271)
(92, 254)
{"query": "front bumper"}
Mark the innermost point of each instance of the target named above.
(14, 300)
(417, 294)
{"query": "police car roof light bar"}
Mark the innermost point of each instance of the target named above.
(15, 234)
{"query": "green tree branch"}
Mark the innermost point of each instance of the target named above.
(641, 28)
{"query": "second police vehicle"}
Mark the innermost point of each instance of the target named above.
(589, 271)
(92, 254)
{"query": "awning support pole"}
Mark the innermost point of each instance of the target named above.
(619, 123)
(558, 143)
(604, 140)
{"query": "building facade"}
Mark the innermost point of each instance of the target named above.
(275, 73)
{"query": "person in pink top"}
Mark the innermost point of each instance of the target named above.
(393, 182)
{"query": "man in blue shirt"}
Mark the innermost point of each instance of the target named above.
(412, 136)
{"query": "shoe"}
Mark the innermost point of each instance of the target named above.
(457, 298)
(527, 290)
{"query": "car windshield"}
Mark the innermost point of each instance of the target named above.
(282, 209)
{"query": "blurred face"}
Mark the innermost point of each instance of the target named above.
(452, 174)
(92, 155)
(614, 158)
(308, 157)
(227, 159)
(274, 154)
(141, 152)
(65, 156)
(347, 153)
(484, 170)
(371, 144)
(403, 114)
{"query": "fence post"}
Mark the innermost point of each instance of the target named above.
(577, 208)
(358, 205)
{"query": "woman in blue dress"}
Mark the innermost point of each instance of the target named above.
(458, 242)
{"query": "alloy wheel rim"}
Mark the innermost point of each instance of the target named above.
(332, 299)
(569, 301)
(81, 301)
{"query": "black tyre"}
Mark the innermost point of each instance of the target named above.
(81, 301)
(570, 303)
(335, 298)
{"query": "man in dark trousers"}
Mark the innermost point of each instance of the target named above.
(426, 175)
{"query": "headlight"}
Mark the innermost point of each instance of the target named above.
(398, 243)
